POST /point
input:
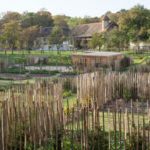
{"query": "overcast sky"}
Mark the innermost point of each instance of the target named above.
(79, 8)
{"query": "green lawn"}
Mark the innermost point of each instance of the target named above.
(37, 52)
(108, 120)
(140, 59)
(6, 84)
(64, 59)
(71, 100)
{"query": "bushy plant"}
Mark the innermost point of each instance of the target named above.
(125, 62)
(67, 93)
(67, 84)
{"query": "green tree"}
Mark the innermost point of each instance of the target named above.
(35, 44)
(135, 23)
(72, 22)
(88, 19)
(43, 18)
(148, 35)
(56, 37)
(10, 33)
(28, 19)
(11, 16)
(42, 46)
(118, 39)
(60, 21)
(98, 40)
(29, 35)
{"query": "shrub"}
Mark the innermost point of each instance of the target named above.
(69, 73)
(140, 57)
(67, 84)
(125, 62)
(67, 93)
(31, 72)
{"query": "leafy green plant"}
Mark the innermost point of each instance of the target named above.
(67, 93)
(125, 62)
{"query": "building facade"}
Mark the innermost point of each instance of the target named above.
(83, 33)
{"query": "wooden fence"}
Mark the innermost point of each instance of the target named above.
(33, 117)
(104, 87)
(3, 63)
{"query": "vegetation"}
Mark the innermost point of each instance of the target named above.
(53, 58)
(40, 121)
(19, 71)
(133, 26)
(90, 111)
(56, 37)
(20, 31)
(98, 40)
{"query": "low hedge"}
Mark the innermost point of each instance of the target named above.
(18, 71)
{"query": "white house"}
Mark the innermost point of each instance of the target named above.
(64, 47)
(140, 46)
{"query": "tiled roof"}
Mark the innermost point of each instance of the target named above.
(86, 30)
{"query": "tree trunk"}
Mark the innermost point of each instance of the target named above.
(28, 51)
(57, 52)
(5, 52)
(12, 51)
(23, 51)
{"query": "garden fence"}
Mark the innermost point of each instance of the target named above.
(33, 117)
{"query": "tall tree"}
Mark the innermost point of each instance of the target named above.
(43, 18)
(88, 19)
(98, 40)
(60, 21)
(56, 37)
(148, 35)
(11, 16)
(29, 35)
(118, 39)
(10, 33)
(72, 22)
(135, 23)
(28, 19)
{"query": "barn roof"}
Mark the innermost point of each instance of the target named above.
(87, 30)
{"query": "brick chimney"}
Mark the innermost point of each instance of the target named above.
(105, 22)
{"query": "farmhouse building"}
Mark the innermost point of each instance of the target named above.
(83, 33)
(140, 46)
(91, 61)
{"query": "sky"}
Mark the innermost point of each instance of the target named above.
(73, 8)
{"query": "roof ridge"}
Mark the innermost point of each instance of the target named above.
(88, 23)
